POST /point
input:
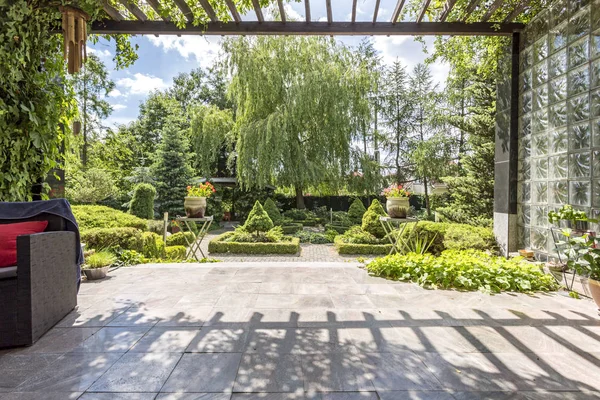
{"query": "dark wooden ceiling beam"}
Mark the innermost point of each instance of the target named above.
(447, 10)
(492, 10)
(281, 11)
(209, 10)
(376, 11)
(156, 6)
(307, 9)
(397, 11)
(258, 11)
(111, 11)
(329, 12)
(302, 28)
(233, 10)
(517, 11)
(423, 10)
(185, 9)
(354, 11)
(134, 10)
(470, 8)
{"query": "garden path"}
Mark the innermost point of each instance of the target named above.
(325, 331)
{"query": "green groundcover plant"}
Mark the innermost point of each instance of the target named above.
(464, 270)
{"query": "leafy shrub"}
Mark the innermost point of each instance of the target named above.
(91, 186)
(100, 259)
(142, 203)
(291, 228)
(322, 213)
(370, 221)
(126, 258)
(464, 270)
(221, 244)
(89, 217)
(152, 245)
(331, 235)
(357, 235)
(356, 211)
(428, 230)
(271, 208)
(343, 219)
(313, 237)
(299, 215)
(274, 235)
(104, 238)
(156, 226)
(258, 220)
(178, 239)
(175, 253)
(337, 228)
(464, 237)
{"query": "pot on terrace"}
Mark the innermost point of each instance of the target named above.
(595, 290)
(397, 207)
(195, 207)
(95, 273)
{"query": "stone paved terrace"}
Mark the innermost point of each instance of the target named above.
(325, 331)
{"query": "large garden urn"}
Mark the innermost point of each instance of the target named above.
(595, 290)
(195, 207)
(397, 207)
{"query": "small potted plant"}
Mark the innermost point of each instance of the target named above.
(584, 257)
(568, 217)
(397, 201)
(97, 264)
(195, 201)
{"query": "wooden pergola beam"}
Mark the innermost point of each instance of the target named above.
(470, 8)
(492, 10)
(185, 9)
(156, 7)
(447, 10)
(258, 11)
(354, 11)
(303, 28)
(376, 11)
(516, 12)
(233, 10)
(111, 11)
(423, 10)
(134, 10)
(329, 12)
(281, 10)
(209, 10)
(397, 11)
(307, 9)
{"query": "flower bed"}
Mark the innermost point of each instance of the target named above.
(220, 244)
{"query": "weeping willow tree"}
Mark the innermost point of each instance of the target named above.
(297, 100)
(211, 137)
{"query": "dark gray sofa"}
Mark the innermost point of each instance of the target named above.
(42, 289)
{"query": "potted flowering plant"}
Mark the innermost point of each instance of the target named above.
(195, 201)
(583, 256)
(397, 200)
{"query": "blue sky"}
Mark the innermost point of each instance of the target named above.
(162, 58)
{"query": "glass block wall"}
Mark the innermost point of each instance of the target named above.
(559, 118)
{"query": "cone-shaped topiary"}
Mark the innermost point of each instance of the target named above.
(258, 220)
(357, 210)
(370, 221)
(142, 203)
(273, 211)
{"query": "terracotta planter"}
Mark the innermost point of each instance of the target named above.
(95, 273)
(397, 207)
(195, 207)
(595, 290)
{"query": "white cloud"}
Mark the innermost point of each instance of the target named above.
(292, 14)
(142, 84)
(117, 107)
(99, 52)
(116, 93)
(205, 50)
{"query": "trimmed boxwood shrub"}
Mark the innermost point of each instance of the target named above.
(271, 208)
(357, 248)
(338, 228)
(370, 221)
(89, 217)
(454, 236)
(220, 245)
(175, 253)
(356, 211)
(102, 238)
(152, 245)
(156, 226)
(258, 220)
(178, 239)
(142, 203)
(291, 228)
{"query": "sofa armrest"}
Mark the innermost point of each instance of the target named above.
(47, 280)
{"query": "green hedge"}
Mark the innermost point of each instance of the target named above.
(356, 248)
(89, 217)
(291, 227)
(102, 238)
(142, 203)
(175, 253)
(337, 228)
(152, 245)
(454, 236)
(178, 239)
(219, 245)
(309, 222)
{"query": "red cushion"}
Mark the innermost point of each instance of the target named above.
(8, 239)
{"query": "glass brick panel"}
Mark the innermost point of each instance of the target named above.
(540, 97)
(540, 73)
(558, 166)
(524, 192)
(595, 7)
(579, 81)
(580, 136)
(579, 24)
(540, 192)
(540, 49)
(579, 108)
(526, 102)
(558, 89)
(579, 165)
(596, 132)
(525, 147)
(596, 164)
(559, 12)
(576, 5)
(525, 81)
(526, 59)
(540, 168)
(595, 73)
(539, 121)
(557, 115)
(539, 146)
(595, 102)
(559, 192)
(539, 216)
(524, 238)
(559, 141)
(525, 125)
(539, 237)
(580, 193)
(595, 44)
(579, 52)
(558, 37)
(558, 64)
(524, 170)
(523, 214)
(596, 193)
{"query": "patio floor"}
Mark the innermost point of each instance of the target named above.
(326, 331)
